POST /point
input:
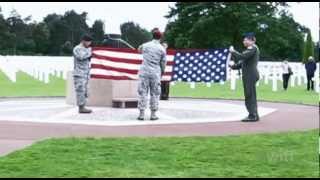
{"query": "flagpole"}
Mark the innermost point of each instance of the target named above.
(227, 65)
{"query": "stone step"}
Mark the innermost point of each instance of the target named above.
(125, 102)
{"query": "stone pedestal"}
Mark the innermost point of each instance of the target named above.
(102, 91)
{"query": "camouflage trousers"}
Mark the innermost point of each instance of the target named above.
(148, 83)
(81, 88)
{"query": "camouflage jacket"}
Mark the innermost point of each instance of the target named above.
(82, 56)
(154, 58)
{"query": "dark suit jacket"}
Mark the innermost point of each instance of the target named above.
(248, 61)
(310, 68)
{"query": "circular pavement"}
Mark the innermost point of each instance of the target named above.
(24, 121)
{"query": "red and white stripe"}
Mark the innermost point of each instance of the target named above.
(122, 64)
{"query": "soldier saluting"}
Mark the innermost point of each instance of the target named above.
(248, 61)
(82, 54)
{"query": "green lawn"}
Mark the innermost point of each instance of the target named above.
(293, 154)
(298, 94)
(27, 86)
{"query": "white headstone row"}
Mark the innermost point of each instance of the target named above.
(39, 67)
(8, 68)
(273, 71)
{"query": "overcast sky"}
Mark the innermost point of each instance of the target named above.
(147, 14)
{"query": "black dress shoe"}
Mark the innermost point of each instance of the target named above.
(251, 119)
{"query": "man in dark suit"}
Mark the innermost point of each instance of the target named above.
(310, 69)
(165, 85)
(247, 61)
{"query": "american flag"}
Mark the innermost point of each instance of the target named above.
(188, 66)
(201, 65)
(122, 64)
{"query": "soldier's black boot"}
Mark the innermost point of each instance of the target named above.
(82, 109)
(153, 116)
(141, 115)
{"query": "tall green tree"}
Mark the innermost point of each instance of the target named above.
(134, 34)
(97, 32)
(55, 35)
(316, 51)
(5, 36)
(308, 49)
(41, 35)
(65, 31)
(220, 24)
(58, 32)
(76, 26)
(22, 40)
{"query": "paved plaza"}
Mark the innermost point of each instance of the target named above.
(174, 111)
(25, 121)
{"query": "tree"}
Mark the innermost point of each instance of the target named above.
(308, 48)
(134, 34)
(65, 28)
(97, 32)
(283, 39)
(76, 26)
(58, 32)
(220, 24)
(41, 35)
(22, 39)
(66, 48)
(55, 35)
(5, 36)
(316, 51)
(16, 27)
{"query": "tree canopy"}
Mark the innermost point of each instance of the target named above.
(308, 49)
(190, 25)
(134, 34)
(221, 24)
(55, 35)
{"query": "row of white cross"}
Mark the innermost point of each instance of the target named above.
(42, 67)
(272, 71)
(38, 67)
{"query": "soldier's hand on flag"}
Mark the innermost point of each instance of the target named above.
(231, 64)
(162, 72)
(231, 49)
(165, 45)
(140, 49)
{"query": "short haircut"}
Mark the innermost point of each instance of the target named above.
(156, 34)
(86, 37)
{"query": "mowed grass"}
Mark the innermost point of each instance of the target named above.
(297, 94)
(293, 154)
(26, 86)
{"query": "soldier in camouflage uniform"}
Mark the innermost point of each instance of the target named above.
(151, 70)
(82, 54)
